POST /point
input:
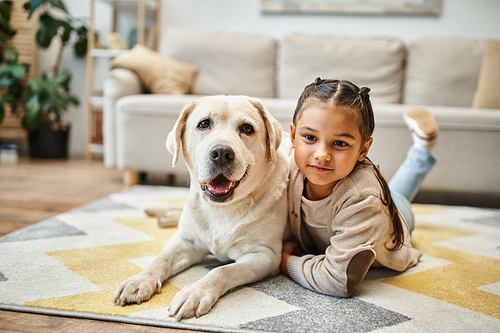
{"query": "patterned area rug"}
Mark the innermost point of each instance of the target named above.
(71, 264)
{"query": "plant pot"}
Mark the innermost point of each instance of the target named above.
(45, 142)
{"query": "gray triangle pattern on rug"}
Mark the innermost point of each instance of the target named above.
(46, 229)
(2, 277)
(320, 313)
(493, 220)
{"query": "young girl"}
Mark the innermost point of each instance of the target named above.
(341, 210)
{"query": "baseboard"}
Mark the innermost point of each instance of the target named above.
(484, 200)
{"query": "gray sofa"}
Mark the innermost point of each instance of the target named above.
(440, 75)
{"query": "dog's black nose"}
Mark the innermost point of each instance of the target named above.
(221, 154)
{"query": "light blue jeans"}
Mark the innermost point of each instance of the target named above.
(406, 182)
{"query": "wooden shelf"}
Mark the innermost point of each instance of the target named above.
(97, 101)
(105, 53)
(142, 10)
(95, 148)
(131, 4)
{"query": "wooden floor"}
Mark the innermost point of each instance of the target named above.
(34, 190)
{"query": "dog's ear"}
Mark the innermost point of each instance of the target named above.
(273, 129)
(174, 139)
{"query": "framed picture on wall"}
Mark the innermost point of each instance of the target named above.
(353, 7)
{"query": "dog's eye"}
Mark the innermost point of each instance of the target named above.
(247, 129)
(204, 125)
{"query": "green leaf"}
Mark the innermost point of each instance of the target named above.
(47, 30)
(81, 47)
(32, 5)
(16, 88)
(66, 30)
(82, 31)
(39, 84)
(6, 28)
(82, 41)
(33, 115)
(58, 3)
(10, 55)
(5, 9)
(46, 99)
(5, 81)
(18, 71)
(63, 79)
(26, 7)
(43, 38)
(73, 99)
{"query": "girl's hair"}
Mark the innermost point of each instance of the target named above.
(346, 94)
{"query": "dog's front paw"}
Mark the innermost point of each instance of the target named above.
(192, 301)
(137, 289)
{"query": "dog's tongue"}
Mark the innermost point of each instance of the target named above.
(220, 185)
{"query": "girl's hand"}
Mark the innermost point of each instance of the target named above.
(289, 248)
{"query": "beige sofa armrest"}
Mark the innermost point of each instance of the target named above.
(117, 83)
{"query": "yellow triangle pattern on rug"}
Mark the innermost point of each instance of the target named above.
(456, 283)
(107, 267)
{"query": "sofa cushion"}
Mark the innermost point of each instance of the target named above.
(228, 63)
(442, 72)
(487, 95)
(373, 62)
(159, 74)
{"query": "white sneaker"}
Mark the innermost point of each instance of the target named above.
(423, 126)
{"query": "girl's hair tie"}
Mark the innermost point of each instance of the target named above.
(318, 81)
(364, 91)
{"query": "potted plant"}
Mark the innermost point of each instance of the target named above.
(48, 96)
(46, 101)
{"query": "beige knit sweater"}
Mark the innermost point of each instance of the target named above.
(360, 233)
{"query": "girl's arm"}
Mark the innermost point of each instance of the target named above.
(350, 254)
(284, 261)
(289, 248)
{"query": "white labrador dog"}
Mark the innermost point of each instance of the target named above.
(236, 208)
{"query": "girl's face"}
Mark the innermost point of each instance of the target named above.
(327, 146)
